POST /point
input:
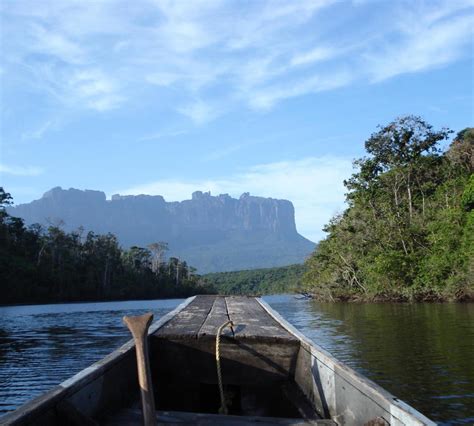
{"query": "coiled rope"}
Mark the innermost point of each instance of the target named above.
(223, 408)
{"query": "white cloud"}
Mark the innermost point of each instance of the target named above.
(314, 185)
(98, 55)
(315, 55)
(267, 97)
(39, 132)
(199, 112)
(424, 45)
(96, 89)
(20, 170)
(162, 135)
(57, 45)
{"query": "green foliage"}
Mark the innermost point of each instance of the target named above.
(257, 281)
(467, 198)
(408, 231)
(38, 266)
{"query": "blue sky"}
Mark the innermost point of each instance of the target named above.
(275, 98)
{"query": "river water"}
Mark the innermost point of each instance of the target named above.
(422, 353)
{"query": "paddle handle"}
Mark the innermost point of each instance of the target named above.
(138, 326)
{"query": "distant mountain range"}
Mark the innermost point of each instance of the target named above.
(212, 233)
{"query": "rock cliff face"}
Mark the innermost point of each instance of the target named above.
(211, 233)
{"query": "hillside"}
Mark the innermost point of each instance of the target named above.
(258, 281)
(213, 233)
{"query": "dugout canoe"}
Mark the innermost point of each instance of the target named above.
(271, 374)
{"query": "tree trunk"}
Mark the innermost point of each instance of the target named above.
(106, 277)
(410, 206)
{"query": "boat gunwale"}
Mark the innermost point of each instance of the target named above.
(70, 386)
(371, 389)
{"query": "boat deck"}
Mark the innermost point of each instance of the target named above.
(203, 317)
(255, 351)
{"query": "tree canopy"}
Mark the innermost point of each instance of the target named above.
(40, 265)
(409, 227)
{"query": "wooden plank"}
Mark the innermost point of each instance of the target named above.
(134, 417)
(188, 322)
(243, 362)
(251, 321)
(217, 316)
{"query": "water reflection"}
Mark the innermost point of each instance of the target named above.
(422, 353)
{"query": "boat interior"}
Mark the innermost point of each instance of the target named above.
(258, 358)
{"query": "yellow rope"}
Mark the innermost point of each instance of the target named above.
(223, 408)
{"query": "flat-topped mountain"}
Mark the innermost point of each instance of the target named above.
(212, 233)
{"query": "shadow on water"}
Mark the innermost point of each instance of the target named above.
(422, 353)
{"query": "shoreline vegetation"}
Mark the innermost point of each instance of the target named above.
(408, 231)
(407, 235)
(39, 265)
(255, 282)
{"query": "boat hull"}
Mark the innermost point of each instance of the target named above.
(269, 369)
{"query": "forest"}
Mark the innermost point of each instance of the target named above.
(408, 231)
(286, 279)
(40, 265)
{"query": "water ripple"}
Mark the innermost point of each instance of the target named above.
(421, 353)
(41, 346)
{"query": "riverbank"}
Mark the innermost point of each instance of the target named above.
(395, 297)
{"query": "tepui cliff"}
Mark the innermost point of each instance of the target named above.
(212, 233)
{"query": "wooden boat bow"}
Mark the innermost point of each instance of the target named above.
(271, 374)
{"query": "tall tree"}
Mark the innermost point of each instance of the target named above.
(157, 255)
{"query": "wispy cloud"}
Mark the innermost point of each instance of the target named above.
(314, 185)
(199, 111)
(162, 135)
(20, 170)
(266, 98)
(219, 154)
(39, 132)
(217, 56)
(425, 43)
(56, 45)
(317, 54)
(95, 88)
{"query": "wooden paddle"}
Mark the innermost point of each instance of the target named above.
(138, 326)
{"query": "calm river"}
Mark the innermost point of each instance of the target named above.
(422, 353)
